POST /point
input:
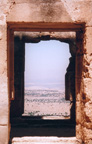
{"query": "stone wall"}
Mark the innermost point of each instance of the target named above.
(51, 11)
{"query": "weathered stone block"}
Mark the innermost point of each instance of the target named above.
(88, 40)
(3, 134)
(87, 66)
(87, 135)
(79, 132)
(4, 101)
(87, 82)
(88, 125)
(79, 112)
(88, 111)
(39, 11)
(3, 114)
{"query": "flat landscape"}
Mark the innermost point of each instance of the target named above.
(47, 103)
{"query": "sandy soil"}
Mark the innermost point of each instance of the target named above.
(46, 107)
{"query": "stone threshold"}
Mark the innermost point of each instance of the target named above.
(44, 140)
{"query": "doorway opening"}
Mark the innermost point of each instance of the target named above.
(54, 120)
(44, 83)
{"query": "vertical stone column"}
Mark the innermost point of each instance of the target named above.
(84, 86)
(4, 101)
(79, 87)
(87, 81)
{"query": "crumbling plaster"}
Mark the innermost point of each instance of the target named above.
(52, 11)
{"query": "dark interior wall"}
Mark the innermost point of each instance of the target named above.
(70, 81)
(17, 105)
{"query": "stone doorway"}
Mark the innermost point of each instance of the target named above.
(12, 97)
(19, 66)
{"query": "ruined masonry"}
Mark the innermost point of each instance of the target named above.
(48, 17)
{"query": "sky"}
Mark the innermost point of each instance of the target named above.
(46, 63)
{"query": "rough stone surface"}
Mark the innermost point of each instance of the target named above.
(46, 140)
(87, 135)
(88, 89)
(51, 11)
(28, 37)
(88, 40)
(3, 134)
(79, 132)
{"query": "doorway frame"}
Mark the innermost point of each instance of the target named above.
(79, 28)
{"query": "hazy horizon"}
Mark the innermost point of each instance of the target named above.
(46, 63)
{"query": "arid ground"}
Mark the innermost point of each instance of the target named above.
(46, 103)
